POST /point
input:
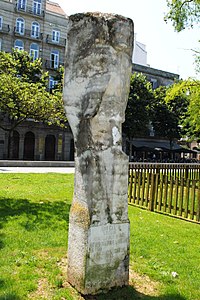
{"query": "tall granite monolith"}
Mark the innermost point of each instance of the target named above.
(96, 87)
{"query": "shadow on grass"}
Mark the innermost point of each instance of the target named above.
(125, 293)
(129, 293)
(36, 214)
(1, 238)
(10, 296)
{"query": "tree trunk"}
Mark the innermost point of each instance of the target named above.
(10, 145)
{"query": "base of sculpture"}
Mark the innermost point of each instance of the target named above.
(98, 241)
(101, 261)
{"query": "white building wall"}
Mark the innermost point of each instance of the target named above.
(139, 53)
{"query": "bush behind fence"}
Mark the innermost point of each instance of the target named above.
(170, 188)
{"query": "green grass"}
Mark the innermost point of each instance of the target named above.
(161, 245)
(34, 210)
(34, 222)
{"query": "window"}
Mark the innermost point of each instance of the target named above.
(1, 22)
(37, 7)
(21, 5)
(34, 51)
(52, 82)
(55, 36)
(35, 30)
(154, 83)
(20, 25)
(19, 45)
(54, 59)
(0, 44)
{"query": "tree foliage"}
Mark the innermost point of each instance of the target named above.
(197, 61)
(164, 119)
(176, 111)
(20, 64)
(183, 13)
(21, 100)
(138, 106)
(189, 92)
(24, 94)
(173, 111)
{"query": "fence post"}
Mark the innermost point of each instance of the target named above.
(198, 204)
(186, 172)
(130, 175)
(152, 192)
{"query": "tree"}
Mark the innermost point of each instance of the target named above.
(176, 111)
(165, 115)
(59, 78)
(138, 106)
(197, 61)
(183, 13)
(23, 95)
(188, 91)
(192, 122)
(20, 63)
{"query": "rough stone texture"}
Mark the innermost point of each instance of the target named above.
(96, 87)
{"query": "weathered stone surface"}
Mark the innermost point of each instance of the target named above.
(96, 87)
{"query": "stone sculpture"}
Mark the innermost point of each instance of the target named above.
(96, 88)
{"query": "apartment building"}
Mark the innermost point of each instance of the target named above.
(36, 26)
(154, 76)
(40, 28)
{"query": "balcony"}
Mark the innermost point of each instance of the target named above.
(5, 28)
(28, 34)
(61, 42)
(50, 65)
(30, 10)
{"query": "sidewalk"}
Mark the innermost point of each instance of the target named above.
(66, 170)
(35, 163)
(17, 166)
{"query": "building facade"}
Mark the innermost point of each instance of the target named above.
(36, 141)
(38, 27)
(155, 76)
(139, 52)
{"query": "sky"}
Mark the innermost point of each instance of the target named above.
(166, 49)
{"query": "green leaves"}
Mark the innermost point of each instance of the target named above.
(23, 92)
(164, 119)
(173, 111)
(183, 13)
(193, 118)
(184, 100)
(138, 106)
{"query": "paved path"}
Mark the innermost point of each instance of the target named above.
(36, 169)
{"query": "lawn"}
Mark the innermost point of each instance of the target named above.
(34, 210)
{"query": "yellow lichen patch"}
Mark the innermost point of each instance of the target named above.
(79, 214)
